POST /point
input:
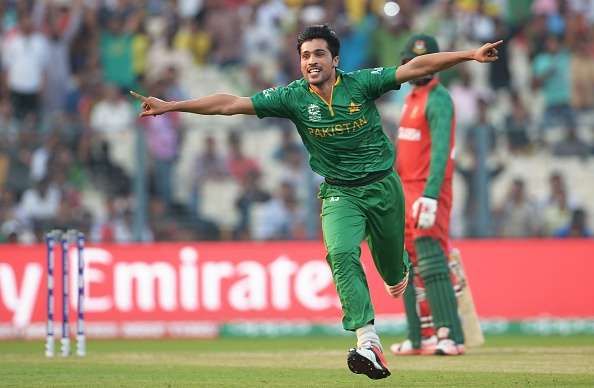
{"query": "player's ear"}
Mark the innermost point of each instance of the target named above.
(335, 61)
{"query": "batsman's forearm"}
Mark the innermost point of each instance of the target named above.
(433, 63)
(440, 114)
(437, 167)
(215, 104)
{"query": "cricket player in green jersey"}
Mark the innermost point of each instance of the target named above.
(362, 198)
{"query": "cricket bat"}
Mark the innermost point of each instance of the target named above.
(473, 334)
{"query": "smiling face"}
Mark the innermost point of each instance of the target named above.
(317, 63)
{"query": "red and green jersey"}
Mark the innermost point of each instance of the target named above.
(344, 137)
(426, 137)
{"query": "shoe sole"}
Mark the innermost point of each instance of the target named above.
(361, 365)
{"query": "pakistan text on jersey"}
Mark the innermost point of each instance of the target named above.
(339, 129)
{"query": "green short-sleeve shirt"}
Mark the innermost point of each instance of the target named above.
(345, 140)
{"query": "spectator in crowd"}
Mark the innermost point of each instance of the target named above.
(288, 143)
(208, 166)
(42, 154)
(500, 74)
(107, 174)
(84, 48)
(163, 226)
(172, 89)
(556, 214)
(518, 214)
(252, 193)
(516, 125)
(465, 95)
(552, 78)
(68, 174)
(58, 80)
(113, 113)
(116, 51)
(483, 125)
(280, 218)
(296, 170)
(356, 38)
(4, 159)
(141, 43)
(11, 230)
(25, 55)
(112, 227)
(259, 45)
(389, 39)
(517, 14)
(8, 123)
(238, 164)
(577, 227)
(40, 203)
(19, 171)
(467, 165)
(163, 135)
(582, 76)
(571, 145)
(224, 25)
(193, 38)
(445, 24)
(558, 204)
(536, 32)
(164, 54)
(481, 24)
(112, 121)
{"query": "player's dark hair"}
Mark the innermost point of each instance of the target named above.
(320, 31)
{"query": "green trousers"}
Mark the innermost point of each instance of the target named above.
(349, 215)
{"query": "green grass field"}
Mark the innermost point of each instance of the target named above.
(299, 362)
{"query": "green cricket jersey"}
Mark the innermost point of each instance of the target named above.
(344, 138)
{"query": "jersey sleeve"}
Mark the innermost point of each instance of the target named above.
(440, 113)
(273, 102)
(377, 81)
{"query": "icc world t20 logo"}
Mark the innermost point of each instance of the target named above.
(315, 113)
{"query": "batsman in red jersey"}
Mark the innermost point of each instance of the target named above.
(425, 143)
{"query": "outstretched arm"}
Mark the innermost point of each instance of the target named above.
(424, 65)
(215, 104)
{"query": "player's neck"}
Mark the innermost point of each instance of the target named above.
(324, 90)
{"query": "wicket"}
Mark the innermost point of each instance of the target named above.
(65, 237)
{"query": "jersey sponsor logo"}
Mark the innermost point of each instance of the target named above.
(410, 134)
(314, 112)
(354, 108)
(339, 129)
(334, 199)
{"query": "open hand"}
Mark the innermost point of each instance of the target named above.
(151, 105)
(487, 52)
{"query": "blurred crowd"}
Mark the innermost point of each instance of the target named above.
(69, 132)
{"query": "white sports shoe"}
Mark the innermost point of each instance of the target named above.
(369, 361)
(406, 348)
(446, 346)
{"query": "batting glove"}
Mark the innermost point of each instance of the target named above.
(424, 211)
